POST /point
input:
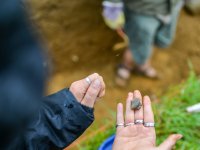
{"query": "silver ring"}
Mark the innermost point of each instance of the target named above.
(139, 121)
(130, 124)
(120, 125)
(149, 124)
(88, 80)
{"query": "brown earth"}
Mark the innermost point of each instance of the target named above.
(81, 44)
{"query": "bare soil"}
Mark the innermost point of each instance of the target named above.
(79, 44)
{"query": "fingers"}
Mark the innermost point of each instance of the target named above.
(79, 88)
(92, 93)
(92, 77)
(138, 113)
(120, 116)
(129, 117)
(103, 87)
(170, 142)
(148, 113)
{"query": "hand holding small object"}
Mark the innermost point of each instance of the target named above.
(87, 90)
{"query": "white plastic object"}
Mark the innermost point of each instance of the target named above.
(194, 108)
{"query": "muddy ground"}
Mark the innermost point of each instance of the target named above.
(79, 44)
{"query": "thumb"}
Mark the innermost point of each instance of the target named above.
(170, 142)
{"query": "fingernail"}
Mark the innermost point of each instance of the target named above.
(179, 136)
(136, 92)
(97, 83)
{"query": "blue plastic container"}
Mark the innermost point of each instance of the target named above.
(107, 144)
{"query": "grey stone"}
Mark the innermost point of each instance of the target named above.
(136, 104)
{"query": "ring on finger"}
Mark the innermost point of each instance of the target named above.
(139, 121)
(149, 124)
(130, 124)
(88, 80)
(120, 125)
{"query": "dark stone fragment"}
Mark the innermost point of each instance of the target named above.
(136, 104)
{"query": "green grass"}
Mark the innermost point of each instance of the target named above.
(170, 116)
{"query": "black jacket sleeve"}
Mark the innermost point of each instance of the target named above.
(27, 120)
(61, 120)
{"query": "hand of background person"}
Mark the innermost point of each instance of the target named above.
(87, 90)
(113, 14)
(137, 136)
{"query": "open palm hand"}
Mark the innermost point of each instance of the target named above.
(137, 136)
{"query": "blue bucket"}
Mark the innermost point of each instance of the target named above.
(107, 144)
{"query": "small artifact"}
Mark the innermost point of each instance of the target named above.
(136, 104)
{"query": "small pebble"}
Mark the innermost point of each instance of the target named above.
(136, 104)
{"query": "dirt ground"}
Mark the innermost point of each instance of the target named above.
(79, 44)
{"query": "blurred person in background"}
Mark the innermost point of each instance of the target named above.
(27, 119)
(147, 23)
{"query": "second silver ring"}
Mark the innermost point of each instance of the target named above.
(139, 121)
